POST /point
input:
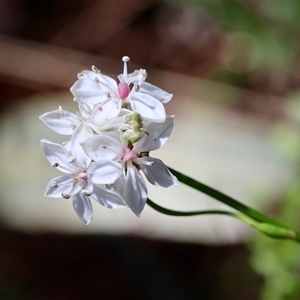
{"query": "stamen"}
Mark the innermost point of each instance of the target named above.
(54, 184)
(145, 131)
(136, 87)
(55, 164)
(65, 196)
(95, 70)
(72, 159)
(125, 59)
(86, 193)
(144, 73)
(61, 112)
(147, 163)
(83, 176)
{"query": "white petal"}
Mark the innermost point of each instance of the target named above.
(108, 198)
(124, 112)
(135, 190)
(85, 110)
(118, 186)
(78, 188)
(88, 91)
(155, 92)
(157, 172)
(57, 154)
(62, 122)
(105, 171)
(158, 135)
(86, 74)
(135, 76)
(108, 81)
(88, 188)
(83, 207)
(106, 111)
(81, 133)
(149, 108)
(112, 126)
(102, 78)
(102, 147)
(58, 185)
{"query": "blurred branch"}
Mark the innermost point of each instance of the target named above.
(29, 63)
(98, 23)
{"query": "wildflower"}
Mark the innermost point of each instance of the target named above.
(65, 122)
(116, 126)
(131, 92)
(82, 179)
(133, 157)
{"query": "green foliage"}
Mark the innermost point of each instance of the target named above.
(278, 261)
(269, 34)
(274, 30)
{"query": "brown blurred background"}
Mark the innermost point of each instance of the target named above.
(241, 57)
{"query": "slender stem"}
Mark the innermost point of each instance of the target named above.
(170, 212)
(250, 212)
(274, 231)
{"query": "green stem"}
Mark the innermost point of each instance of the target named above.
(250, 212)
(170, 212)
(274, 231)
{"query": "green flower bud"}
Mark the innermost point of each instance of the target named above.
(275, 231)
(135, 122)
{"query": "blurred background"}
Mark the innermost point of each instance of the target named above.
(234, 70)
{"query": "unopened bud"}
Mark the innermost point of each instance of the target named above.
(275, 231)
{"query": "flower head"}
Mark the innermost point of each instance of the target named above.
(111, 135)
(82, 180)
(133, 157)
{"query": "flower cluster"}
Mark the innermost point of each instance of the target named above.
(110, 138)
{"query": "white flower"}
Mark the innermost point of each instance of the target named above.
(131, 92)
(132, 158)
(83, 179)
(99, 118)
(61, 121)
(116, 126)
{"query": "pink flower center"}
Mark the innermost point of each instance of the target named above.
(82, 177)
(128, 155)
(124, 90)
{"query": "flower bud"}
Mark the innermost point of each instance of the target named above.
(275, 231)
(135, 123)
